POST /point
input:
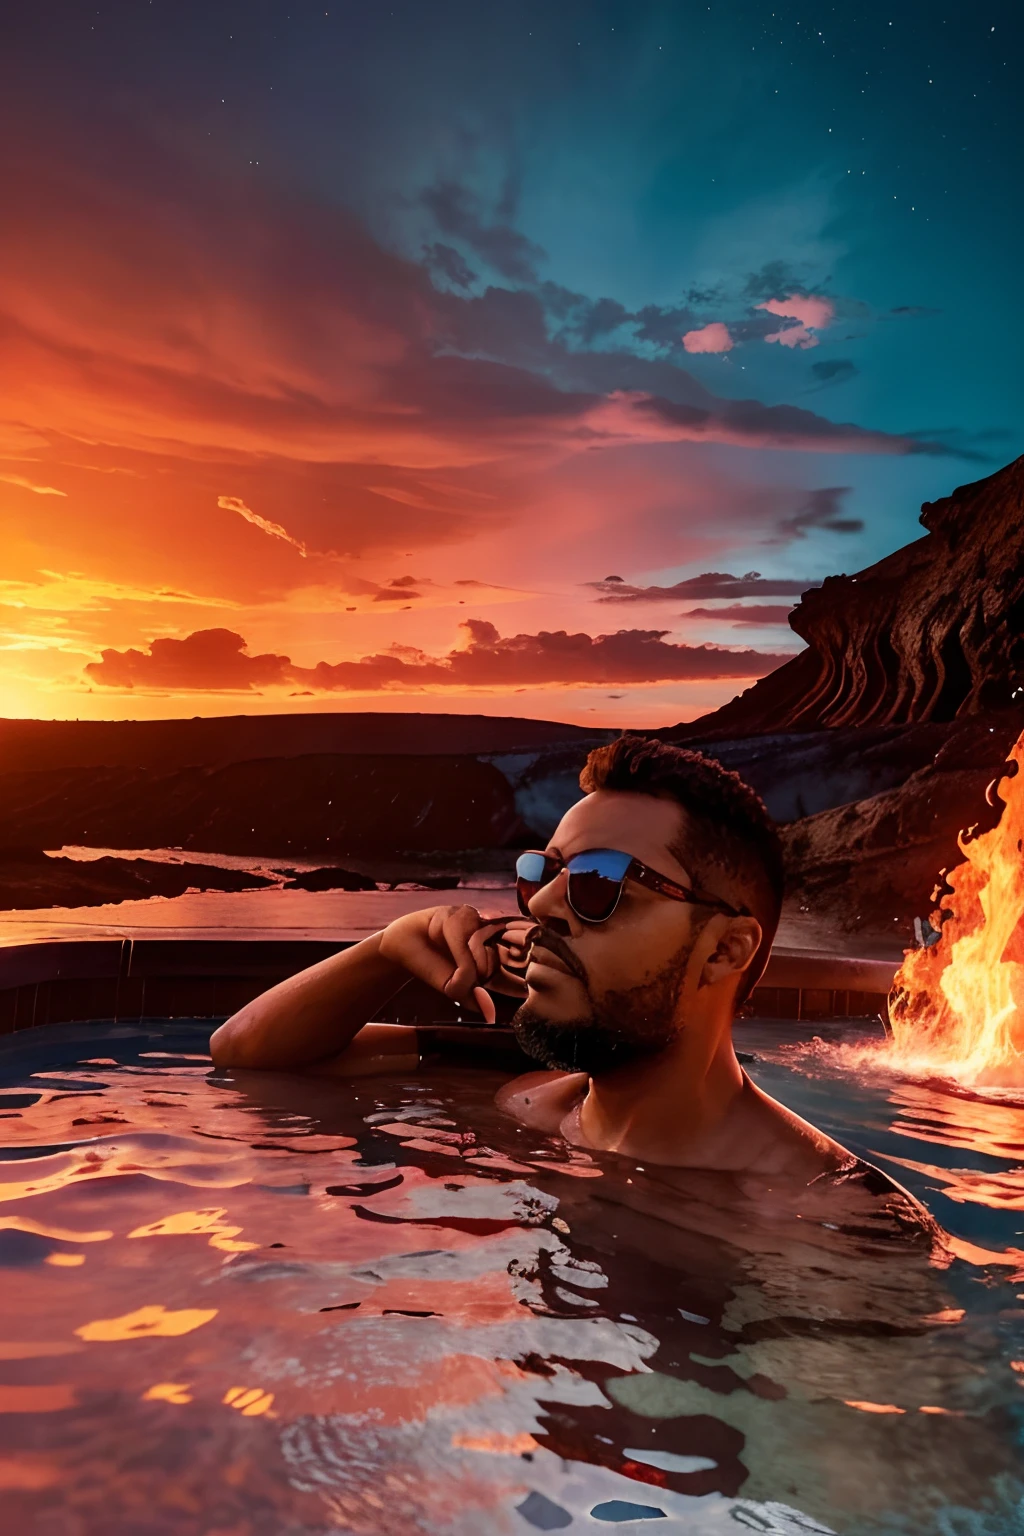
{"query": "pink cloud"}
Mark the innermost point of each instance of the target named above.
(742, 614)
(813, 313)
(709, 338)
(626, 417)
(710, 584)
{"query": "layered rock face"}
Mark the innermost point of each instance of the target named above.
(915, 666)
(934, 632)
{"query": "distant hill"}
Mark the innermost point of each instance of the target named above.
(320, 805)
(34, 745)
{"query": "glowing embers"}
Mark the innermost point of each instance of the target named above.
(957, 1007)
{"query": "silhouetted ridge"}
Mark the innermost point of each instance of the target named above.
(218, 740)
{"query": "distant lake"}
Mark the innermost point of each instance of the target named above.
(322, 914)
(264, 864)
(327, 914)
(257, 863)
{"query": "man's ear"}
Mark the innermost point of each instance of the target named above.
(735, 947)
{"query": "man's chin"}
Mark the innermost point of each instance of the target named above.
(576, 1045)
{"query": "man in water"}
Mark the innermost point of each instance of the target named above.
(647, 922)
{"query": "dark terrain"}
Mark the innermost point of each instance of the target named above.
(873, 748)
(29, 878)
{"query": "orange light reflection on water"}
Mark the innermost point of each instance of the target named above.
(209, 1222)
(146, 1322)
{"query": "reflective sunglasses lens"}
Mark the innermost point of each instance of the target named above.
(531, 875)
(530, 866)
(595, 883)
(593, 896)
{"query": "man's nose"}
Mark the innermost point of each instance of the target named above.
(550, 905)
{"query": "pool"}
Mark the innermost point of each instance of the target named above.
(256, 1303)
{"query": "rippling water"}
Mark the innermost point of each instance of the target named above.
(256, 1303)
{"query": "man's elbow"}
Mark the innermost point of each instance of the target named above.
(228, 1043)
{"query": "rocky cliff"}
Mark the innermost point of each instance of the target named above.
(934, 632)
(873, 865)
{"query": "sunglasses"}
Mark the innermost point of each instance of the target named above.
(595, 881)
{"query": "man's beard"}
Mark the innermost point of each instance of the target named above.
(623, 1027)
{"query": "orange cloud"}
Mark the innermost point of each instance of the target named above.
(29, 485)
(72, 592)
(216, 659)
(236, 504)
(208, 659)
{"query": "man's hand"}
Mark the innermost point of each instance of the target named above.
(460, 953)
(316, 1016)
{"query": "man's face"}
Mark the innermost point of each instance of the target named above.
(601, 994)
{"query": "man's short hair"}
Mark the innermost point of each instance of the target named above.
(727, 830)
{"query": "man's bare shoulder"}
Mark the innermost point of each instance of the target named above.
(777, 1141)
(542, 1099)
(760, 1136)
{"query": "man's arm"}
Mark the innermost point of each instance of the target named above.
(312, 1018)
(312, 1015)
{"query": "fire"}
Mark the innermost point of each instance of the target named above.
(957, 1008)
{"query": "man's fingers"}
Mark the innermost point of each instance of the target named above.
(508, 983)
(517, 938)
(520, 927)
(433, 961)
(460, 925)
(460, 951)
(485, 1003)
(485, 957)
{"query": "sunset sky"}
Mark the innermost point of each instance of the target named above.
(473, 357)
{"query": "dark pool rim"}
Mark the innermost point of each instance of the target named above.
(134, 976)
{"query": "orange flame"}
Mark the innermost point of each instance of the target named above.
(957, 1007)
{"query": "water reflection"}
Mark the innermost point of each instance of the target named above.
(402, 1313)
(965, 1144)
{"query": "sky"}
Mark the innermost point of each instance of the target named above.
(526, 359)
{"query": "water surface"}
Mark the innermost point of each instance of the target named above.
(254, 1303)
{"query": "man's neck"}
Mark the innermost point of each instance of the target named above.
(669, 1107)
